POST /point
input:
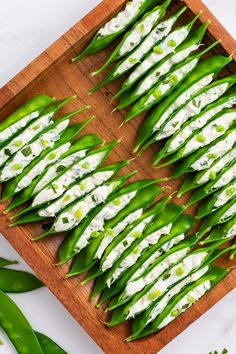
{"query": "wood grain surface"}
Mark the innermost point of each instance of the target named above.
(53, 74)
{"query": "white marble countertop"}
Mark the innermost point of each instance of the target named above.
(27, 28)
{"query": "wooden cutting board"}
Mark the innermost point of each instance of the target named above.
(53, 74)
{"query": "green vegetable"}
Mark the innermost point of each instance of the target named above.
(14, 281)
(224, 231)
(47, 345)
(5, 262)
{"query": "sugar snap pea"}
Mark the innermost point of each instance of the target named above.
(17, 327)
(86, 259)
(22, 116)
(112, 218)
(79, 149)
(14, 281)
(200, 77)
(170, 289)
(116, 26)
(158, 228)
(168, 239)
(138, 32)
(47, 344)
(167, 85)
(233, 252)
(220, 216)
(152, 78)
(6, 262)
(183, 301)
(159, 52)
(224, 231)
(180, 137)
(135, 57)
(217, 199)
(204, 157)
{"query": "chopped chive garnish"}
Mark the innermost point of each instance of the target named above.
(27, 151)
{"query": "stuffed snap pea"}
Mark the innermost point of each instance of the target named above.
(138, 32)
(181, 53)
(83, 187)
(132, 232)
(148, 251)
(152, 235)
(112, 218)
(160, 32)
(160, 281)
(185, 299)
(225, 231)
(180, 137)
(204, 157)
(217, 181)
(116, 26)
(217, 200)
(48, 345)
(78, 149)
(200, 78)
(29, 111)
(172, 282)
(159, 52)
(167, 85)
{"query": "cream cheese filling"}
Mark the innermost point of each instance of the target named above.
(229, 213)
(225, 195)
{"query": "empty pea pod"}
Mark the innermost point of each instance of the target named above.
(217, 200)
(116, 26)
(224, 231)
(168, 239)
(17, 327)
(200, 78)
(152, 78)
(205, 156)
(135, 56)
(167, 85)
(159, 52)
(15, 281)
(78, 149)
(6, 262)
(48, 345)
(29, 111)
(188, 129)
(112, 218)
(138, 32)
(185, 299)
(87, 258)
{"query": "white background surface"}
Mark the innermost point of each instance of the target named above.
(27, 27)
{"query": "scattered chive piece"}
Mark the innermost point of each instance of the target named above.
(18, 143)
(157, 93)
(117, 202)
(212, 156)
(83, 186)
(79, 213)
(27, 151)
(172, 43)
(110, 232)
(44, 143)
(212, 175)
(95, 234)
(55, 187)
(37, 126)
(200, 138)
(66, 198)
(60, 168)
(175, 313)
(141, 28)
(220, 128)
(154, 294)
(85, 166)
(173, 79)
(125, 243)
(179, 271)
(157, 50)
(7, 152)
(191, 299)
(52, 156)
(230, 191)
(137, 234)
(136, 250)
(65, 220)
(133, 60)
(17, 166)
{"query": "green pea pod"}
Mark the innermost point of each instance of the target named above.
(46, 158)
(224, 231)
(201, 77)
(158, 53)
(167, 85)
(78, 149)
(76, 212)
(87, 258)
(180, 137)
(183, 224)
(220, 216)
(17, 327)
(159, 303)
(205, 156)
(189, 296)
(158, 228)
(199, 101)
(190, 45)
(30, 110)
(47, 345)
(45, 140)
(82, 187)
(233, 253)
(169, 273)
(5, 262)
(160, 32)
(217, 200)
(109, 217)
(138, 32)
(116, 26)
(225, 176)
(14, 281)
